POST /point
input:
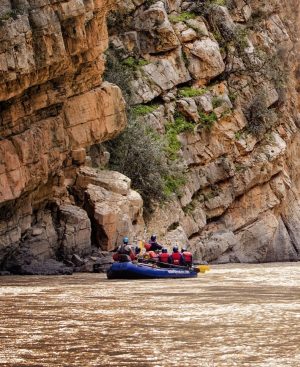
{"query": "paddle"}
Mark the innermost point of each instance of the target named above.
(198, 269)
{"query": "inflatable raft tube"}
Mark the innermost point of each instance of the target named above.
(129, 270)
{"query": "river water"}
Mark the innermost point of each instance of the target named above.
(234, 315)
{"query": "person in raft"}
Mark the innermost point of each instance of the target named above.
(164, 257)
(150, 254)
(124, 252)
(154, 245)
(187, 257)
(176, 257)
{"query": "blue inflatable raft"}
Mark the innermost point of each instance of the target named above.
(129, 270)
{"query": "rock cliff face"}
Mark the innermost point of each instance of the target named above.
(229, 67)
(54, 104)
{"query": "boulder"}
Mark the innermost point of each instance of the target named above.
(155, 32)
(113, 215)
(47, 267)
(198, 25)
(110, 180)
(215, 246)
(204, 58)
(160, 75)
(114, 208)
(75, 228)
(188, 107)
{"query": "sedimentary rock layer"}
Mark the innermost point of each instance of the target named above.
(54, 104)
(231, 68)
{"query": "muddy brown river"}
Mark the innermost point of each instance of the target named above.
(234, 315)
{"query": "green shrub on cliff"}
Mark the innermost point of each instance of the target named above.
(207, 120)
(134, 62)
(173, 129)
(11, 14)
(147, 158)
(191, 92)
(182, 17)
(143, 109)
(260, 118)
(118, 73)
(139, 153)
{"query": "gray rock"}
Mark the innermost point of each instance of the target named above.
(205, 60)
(77, 260)
(47, 267)
(4, 273)
(75, 229)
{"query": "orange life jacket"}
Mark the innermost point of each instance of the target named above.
(176, 257)
(163, 257)
(187, 256)
(152, 255)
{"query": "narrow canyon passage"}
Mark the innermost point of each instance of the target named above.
(235, 315)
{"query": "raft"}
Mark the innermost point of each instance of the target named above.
(129, 270)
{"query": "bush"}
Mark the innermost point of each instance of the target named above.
(191, 92)
(11, 14)
(207, 120)
(135, 63)
(118, 73)
(173, 129)
(148, 3)
(259, 117)
(182, 17)
(139, 153)
(143, 109)
(205, 7)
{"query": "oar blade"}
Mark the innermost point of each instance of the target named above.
(203, 268)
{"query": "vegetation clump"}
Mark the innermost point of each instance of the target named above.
(118, 73)
(182, 17)
(140, 153)
(259, 117)
(135, 63)
(205, 7)
(191, 92)
(173, 129)
(207, 120)
(217, 102)
(148, 3)
(143, 110)
(172, 184)
(11, 14)
(122, 72)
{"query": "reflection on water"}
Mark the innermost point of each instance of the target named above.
(235, 315)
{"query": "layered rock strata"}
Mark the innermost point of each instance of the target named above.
(233, 72)
(54, 104)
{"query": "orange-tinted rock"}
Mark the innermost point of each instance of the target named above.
(53, 105)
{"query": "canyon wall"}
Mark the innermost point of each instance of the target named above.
(54, 104)
(230, 68)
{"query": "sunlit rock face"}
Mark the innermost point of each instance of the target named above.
(53, 104)
(241, 198)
